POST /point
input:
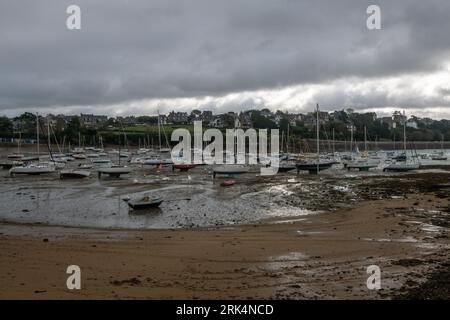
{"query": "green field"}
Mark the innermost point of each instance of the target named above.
(149, 129)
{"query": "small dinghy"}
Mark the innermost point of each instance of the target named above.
(74, 174)
(145, 202)
(228, 183)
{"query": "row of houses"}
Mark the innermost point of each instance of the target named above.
(242, 119)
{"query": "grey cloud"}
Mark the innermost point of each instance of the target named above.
(171, 49)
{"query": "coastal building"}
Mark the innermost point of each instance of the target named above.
(217, 122)
(178, 117)
(389, 121)
(92, 121)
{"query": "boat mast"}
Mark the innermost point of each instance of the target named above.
(287, 139)
(351, 141)
(365, 138)
(159, 132)
(18, 143)
(317, 139)
(334, 147)
(48, 133)
(404, 132)
(37, 134)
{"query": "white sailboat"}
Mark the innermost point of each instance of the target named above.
(361, 163)
(406, 165)
(314, 167)
(114, 170)
(162, 150)
(34, 168)
(17, 155)
(74, 174)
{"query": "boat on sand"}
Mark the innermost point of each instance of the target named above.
(74, 174)
(145, 202)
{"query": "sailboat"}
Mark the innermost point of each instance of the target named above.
(74, 174)
(361, 163)
(34, 168)
(162, 150)
(17, 155)
(286, 162)
(440, 155)
(403, 166)
(114, 170)
(314, 167)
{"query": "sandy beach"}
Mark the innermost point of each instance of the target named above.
(323, 256)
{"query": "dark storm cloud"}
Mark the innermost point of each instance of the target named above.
(167, 49)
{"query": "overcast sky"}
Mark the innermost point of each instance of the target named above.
(134, 57)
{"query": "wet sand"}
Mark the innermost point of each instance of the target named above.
(319, 256)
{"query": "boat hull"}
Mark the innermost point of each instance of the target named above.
(74, 174)
(142, 205)
(312, 167)
(31, 171)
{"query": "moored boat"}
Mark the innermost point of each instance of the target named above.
(145, 202)
(15, 156)
(114, 171)
(401, 167)
(313, 167)
(183, 167)
(74, 174)
(79, 156)
(231, 169)
(32, 169)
